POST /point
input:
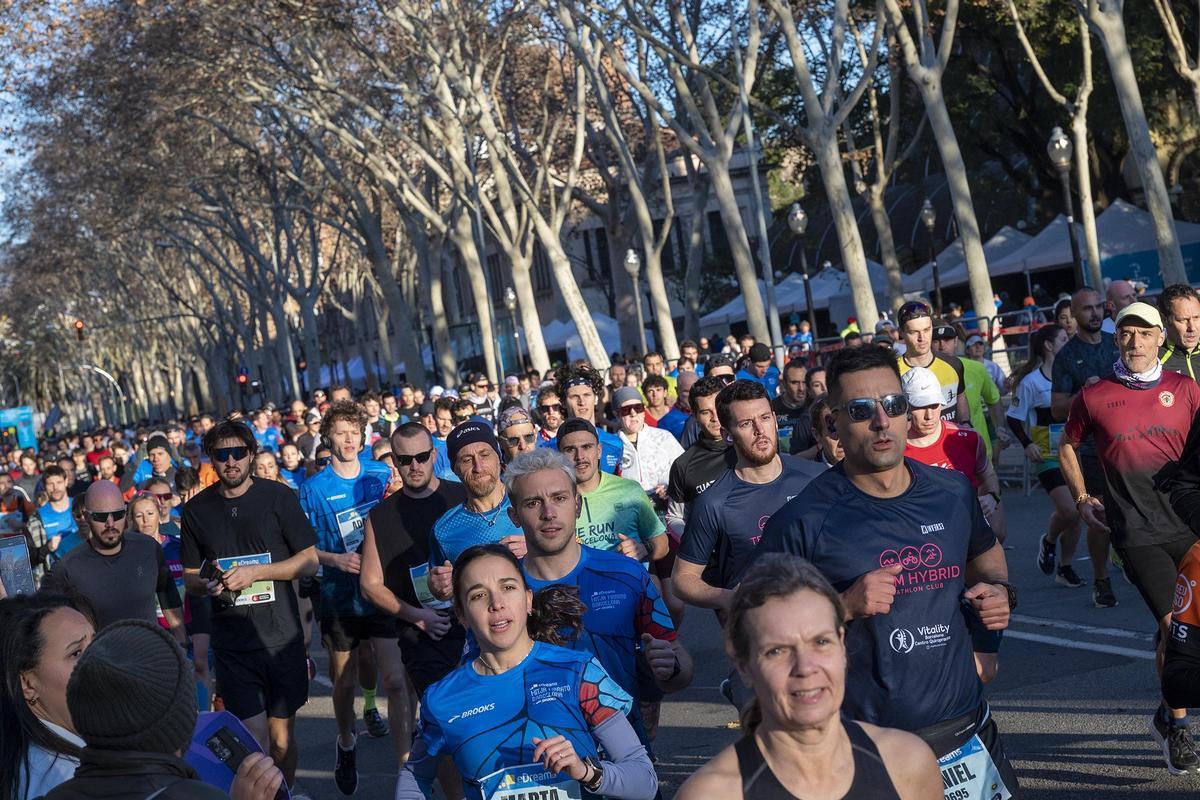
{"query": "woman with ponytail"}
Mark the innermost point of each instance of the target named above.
(785, 633)
(526, 714)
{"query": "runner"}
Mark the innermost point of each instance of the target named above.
(515, 432)
(655, 390)
(1140, 416)
(787, 635)
(549, 413)
(758, 367)
(582, 387)
(525, 714)
(831, 451)
(909, 551)
(677, 418)
(702, 463)
(62, 534)
(1179, 305)
(916, 325)
(648, 452)
(791, 412)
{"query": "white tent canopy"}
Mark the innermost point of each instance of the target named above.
(952, 268)
(565, 336)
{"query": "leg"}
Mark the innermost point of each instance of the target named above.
(368, 676)
(283, 746)
(257, 725)
(343, 674)
(1064, 524)
(395, 684)
(1098, 543)
(200, 665)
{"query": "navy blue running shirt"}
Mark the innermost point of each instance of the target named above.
(912, 667)
(727, 521)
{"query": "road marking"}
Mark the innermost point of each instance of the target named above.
(1078, 627)
(1095, 647)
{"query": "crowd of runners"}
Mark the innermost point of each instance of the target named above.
(509, 565)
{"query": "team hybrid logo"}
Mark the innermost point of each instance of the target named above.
(471, 712)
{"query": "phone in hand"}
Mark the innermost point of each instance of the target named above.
(231, 751)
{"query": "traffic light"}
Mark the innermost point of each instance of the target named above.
(301, 364)
(243, 377)
(79, 329)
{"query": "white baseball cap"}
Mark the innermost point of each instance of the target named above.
(922, 387)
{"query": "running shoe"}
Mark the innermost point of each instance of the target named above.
(1066, 577)
(1045, 557)
(311, 665)
(1178, 747)
(377, 726)
(727, 691)
(345, 768)
(1102, 594)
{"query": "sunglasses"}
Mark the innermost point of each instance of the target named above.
(405, 460)
(913, 310)
(223, 454)
(104, 516)
(726, 379)
(162, 496)
(549, 408)
(323, 461)
(630, 410)
(514, 441)
(861, 409)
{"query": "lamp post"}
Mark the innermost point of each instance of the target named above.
(798, 223)
(633, 265)
(929, 217)
(510, 302)
(1060, 150)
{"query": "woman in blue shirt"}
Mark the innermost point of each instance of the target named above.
(526, 714)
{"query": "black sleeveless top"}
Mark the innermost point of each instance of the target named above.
(871, 779)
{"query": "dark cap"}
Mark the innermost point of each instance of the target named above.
(426, 410)
(944, 332)
(759, 352)
(158, 441)
(470, 432)
(575, 425)
(721, 360)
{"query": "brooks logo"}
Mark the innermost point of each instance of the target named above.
(470, 712)
(928, 529)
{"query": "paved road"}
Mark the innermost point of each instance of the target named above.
(1073, 698)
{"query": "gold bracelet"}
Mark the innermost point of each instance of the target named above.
(1082, 497)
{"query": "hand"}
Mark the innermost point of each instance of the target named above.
(873, 593)
(660, 655)
(987, 504)
(433, 623)
(1091, 511)
(991, 603)
(239, 577)
(660, 491)
(348, 562)
(515, 543)
(257, 779)
(441, 580)
(1033, 453)
(987, 665)
(558, 754)
(632, 548)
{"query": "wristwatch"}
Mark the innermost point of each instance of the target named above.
(1012, 593)
(593, 785)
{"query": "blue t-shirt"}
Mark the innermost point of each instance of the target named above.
(622, 604)
(460, 528)
(488, 722)
(912, 667)
(60, 523)
(674, 421)
(611, 448)
(441, 464)
(337, 508)
(727, 521)
(268, 440)
(293, 477)
(770, 380)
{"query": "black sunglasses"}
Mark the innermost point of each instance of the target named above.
(861, 409)
(323, 461)
(514, 441)
(405, 460)
(549, 407)
(223, 454)
(630, 410)
(103, 516)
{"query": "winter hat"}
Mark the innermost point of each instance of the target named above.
(470, 432)
(132, 690)
(624, 395)
(158, 441)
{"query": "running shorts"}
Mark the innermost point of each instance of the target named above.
(1152, 569)
(428, 661)
(273, 679)
(1051, 479)
(343, 634)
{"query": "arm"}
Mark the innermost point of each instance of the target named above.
(1184, 486)
(988, 566)
(169, 600)
(301, 565)
(692, 589)
(628, 774)
(962, 413)
(370, 581)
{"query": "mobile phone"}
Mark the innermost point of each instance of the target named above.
(231, 751)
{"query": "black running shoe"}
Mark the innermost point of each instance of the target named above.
(1066, 577)
(1178, 747)
(1102, 594)
(345, 769)
(376, 725)
(1045, 557)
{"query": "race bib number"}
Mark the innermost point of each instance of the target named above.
(350, 525)
(969, 773)
(420, 584)
(1055, 436)
(257, 592)
(529, 781)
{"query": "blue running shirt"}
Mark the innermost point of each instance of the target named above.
(912, 667)
(460, 528)
(337, 508)
(488, 722)
(60, 523)
(441, 464)
(611, 448)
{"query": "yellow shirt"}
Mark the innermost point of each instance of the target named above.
(949, 372)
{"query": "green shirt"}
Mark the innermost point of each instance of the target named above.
(617, 506)
(981, 389)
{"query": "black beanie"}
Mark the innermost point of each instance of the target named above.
(133, 690)
(474, 430)
(158, 441)
(575, 425)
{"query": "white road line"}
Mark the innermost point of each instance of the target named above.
(1078, 627)
(1095, 647)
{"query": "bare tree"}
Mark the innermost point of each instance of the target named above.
(1188, 66)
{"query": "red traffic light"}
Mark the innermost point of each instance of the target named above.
(242, 379)
(79, 329)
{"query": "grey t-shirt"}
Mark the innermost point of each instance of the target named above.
(120, 586)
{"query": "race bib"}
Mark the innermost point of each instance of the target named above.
(420, 584)
(969, 773)
(529, 781)
(1055, 436)
(350, 525)
(257, 592)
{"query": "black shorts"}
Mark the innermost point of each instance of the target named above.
(1152, 569)
(273, 679)
(343, 634)
(427, 661)
(201, 611)
(1051, 479)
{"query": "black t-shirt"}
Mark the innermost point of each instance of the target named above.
(700, 465)
(795, 427)
(121, 586)
(267, 519)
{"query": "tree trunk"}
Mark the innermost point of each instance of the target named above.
(463, 236)
(841, 208)
(739, 246)
(698, 187)
(406, 334)
(535, 345)
(1087, 210)
(887, 245)
(312, 343)
(1108, 23)
(564, 276)
(431, 281)
(668, 344)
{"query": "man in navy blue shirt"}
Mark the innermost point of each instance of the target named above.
(922, 576)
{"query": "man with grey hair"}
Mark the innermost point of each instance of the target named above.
(624, 608)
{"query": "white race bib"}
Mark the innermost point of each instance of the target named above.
(969, 773)
(257, 592)
(351, 523)
(529, 780)
(420, 584)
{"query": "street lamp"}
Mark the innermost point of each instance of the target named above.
(798, 223)
(1060, 150)
(929, 217)
(510, 302)
(633, 265)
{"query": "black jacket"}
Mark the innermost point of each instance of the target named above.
(113, 775)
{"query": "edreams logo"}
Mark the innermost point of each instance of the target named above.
(470, 712)
(931, 528)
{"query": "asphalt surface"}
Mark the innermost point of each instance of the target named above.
(1073, 697)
